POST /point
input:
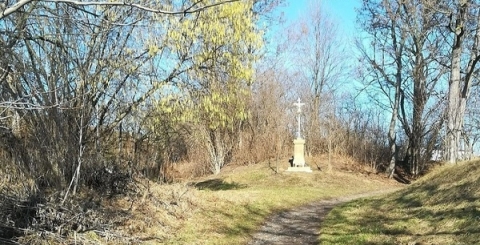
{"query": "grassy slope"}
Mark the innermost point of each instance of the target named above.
(234, 204)
(442, 208)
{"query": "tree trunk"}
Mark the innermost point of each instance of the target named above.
(468, 151)
(392, 143)
(391, 130)
(419, 101)
(218, 149)
(456, 99)
(396, 104)
(453, 127)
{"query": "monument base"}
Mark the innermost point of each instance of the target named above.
(299, 152)
(299, 169)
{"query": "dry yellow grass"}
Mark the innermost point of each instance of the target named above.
(222, 209)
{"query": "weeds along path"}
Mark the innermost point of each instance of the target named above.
(301, 225)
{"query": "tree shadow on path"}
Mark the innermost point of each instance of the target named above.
(218, 185)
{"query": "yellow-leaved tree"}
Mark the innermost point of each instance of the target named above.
(210, 101)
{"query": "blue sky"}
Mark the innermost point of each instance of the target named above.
(342, 10)
(344, 13)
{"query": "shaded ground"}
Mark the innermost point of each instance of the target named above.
(301, 225)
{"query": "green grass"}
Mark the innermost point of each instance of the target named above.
(233, 205)
(442, 208)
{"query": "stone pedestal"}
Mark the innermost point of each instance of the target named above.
(299, 169)
(299, 152)
(299, 157)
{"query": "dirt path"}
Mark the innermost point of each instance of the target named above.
(301, 225)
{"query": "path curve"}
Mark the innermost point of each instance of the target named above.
(302, 224)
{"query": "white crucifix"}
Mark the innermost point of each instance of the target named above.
(299, 112)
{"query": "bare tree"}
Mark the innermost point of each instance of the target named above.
(321, 64)
(464, 28)
(405, 66)
(267, 134)
(471, 130)
(13, 7)
(385, 32)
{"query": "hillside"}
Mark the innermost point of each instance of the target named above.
(442, 208)
(218, 209)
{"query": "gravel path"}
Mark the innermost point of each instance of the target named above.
(301, 225)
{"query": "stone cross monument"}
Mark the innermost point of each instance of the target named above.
(299, 117)
(298, 164)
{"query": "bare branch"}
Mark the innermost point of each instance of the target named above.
(187, 10)
(14, 8)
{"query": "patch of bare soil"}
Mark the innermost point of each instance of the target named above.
(301, 225)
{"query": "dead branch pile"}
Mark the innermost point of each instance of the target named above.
(30, 217)
(113, 207)
(109, 181)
